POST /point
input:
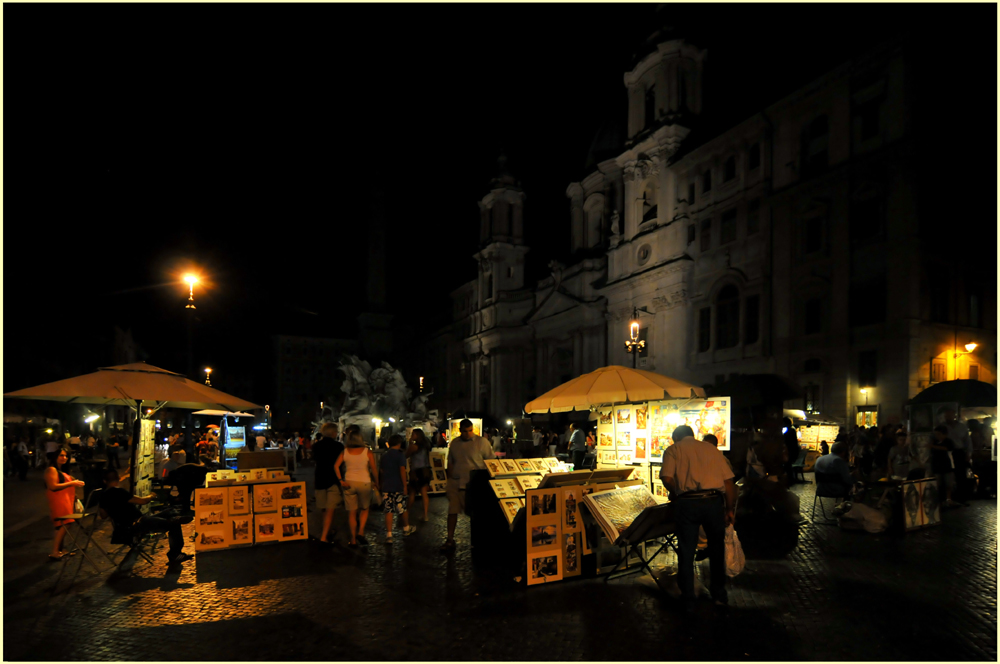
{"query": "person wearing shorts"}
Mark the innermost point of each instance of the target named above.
(393, 480)
(357, 463)
(328, 493)
(465, 454)
(420, 468)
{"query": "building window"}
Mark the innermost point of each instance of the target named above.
(642, 257)
(727, 229)
(867, 221)
(754, 160)
(704, 329)
(812, 366)
(812, 235)
(811, 397)
(729, 169)
(706, 181)
(510, 273)
(692, 233)
(727, 317)
(752, 332)
(814, 316)
(814, 147)
(867, 302)
(648, 206)
(650, 106)
(753, 216)
(938, 371)
(706, 234)
(868, 368)
(691, 193)
(973, 372)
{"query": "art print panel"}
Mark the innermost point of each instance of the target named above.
(501, 489)
(291, 511)
(265, 498)
(607, 457)
(265, 527)
(624, 440)
(210, 518)
(440, 476)
(544, 567)
(275, 474)
(242, 476)
(509, 467)
(571, 554)
(550, 462)
(605, 440)
(239, 500)
(571, 519)
(510, 507)
(437, 461)
(293, 491)
(912, 513)
(212, 538)
(292, 530)
(513, 487)
(539, 466)
(525, 465)
(640, 448)
(930, 503)
(258, 474)
(210, 498)
(625, 456)
(543, 505)
(641, 415)
(239, 530)
(543, 537)
(494, 466)
(624, 415)
(528, 482)
(605, 417)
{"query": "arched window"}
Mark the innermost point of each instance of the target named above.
(727, 317)
(649, 211)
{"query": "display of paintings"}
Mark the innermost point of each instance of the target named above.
(292, 511)
(641, 417)
(640, 448)
(209, 518)
(584, 492)
(439, 487)
(528, 482)
(539, 466)
(265, 498)
(293, 530)
(265, 527)
(571, 519)
(615, 510)
(544, 567)
(550, 462)
(509, 467)
(624, 415)
(240, 530)
(511, 506)
(242, 476)
(454, 431)
(659, 491)
(210, 498)
(912, 514)
(543, 537)
(212, 537)
(495, 467)
(440, 476)
(921, 503)
(605, 417)
(502, 489)
(930, 503)
(624, 441)
(543, 506)
(258, 474)
(624, 456)
(292, 491)
(276, 475)
(437, 461)
(571, 554)
(605, 439)
(512, 487)
(607, 457)
(663, 418)
(239, 500)
(525, 465)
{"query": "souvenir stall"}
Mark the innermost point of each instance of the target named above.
(244, 508)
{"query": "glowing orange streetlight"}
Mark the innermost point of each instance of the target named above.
(191, 281)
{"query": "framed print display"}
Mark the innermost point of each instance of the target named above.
(659, 491)
(509, 467)
(528, 482)
(571, 520)
(242, 476)
(641, 446)
(437, 461)
(510, 507)
(239, 530)
(239, 500)
(512, 487)
(276, 475)
(624, 440)
(605, 416)
(494, 466)
(605, 439)
(212, 537)
(641, 415)
(543, 537)
(214, 498)
(292, 491)
(624, 455)
(550, 462)
(616, 509)
(265, 527)
(525, 465)
(439, 487)
(930, 503)
(210, 518)
(539, 466)
(912, 514)
(291, 511)
(543, 506)
(265, 498)
(706, 416)
(663, 417)
(258, 474)
(585, 491)
(623, 415)
(544, 567)
(501, 489)
(440, 476)
(607, 457)
(293, 530)
(921, 503)
(571, 553)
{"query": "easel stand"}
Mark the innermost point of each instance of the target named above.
(653, 523)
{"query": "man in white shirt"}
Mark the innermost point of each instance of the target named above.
(701, 484)
(465, 454)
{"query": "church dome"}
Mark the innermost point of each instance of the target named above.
(609, 142)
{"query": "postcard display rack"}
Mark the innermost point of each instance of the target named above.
(439, 466)
(510, 479)
(250, 507)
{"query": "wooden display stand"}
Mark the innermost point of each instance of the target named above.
(254, 511)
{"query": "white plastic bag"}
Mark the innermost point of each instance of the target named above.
(735, 562)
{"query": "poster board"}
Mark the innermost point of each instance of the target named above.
(211, 518)
(237, 439)
(145, 462)
(292, 511)
(439, 466)
(453, 430)
(542, 531)
(921, 503)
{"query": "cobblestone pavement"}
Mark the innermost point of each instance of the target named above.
(926, 595)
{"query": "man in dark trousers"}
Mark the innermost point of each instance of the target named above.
(120, 506)
(325, 452)
(701, 485)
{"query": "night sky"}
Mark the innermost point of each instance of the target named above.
(244, 141)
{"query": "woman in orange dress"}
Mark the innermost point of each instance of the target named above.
(62, 499)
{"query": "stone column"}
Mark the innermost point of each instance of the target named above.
(518, 230)
(575, 194)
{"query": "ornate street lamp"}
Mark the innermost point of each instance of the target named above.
(634, 345)
(208, 376)
(191, 281)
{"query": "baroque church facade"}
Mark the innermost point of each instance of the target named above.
(787, 244)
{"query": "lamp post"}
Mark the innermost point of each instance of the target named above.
(634, 345)
(208, 376)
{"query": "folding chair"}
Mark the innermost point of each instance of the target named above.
(91, 510)
(653, 523)
(821, 480)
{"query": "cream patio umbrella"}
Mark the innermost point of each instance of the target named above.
(130, 385)
(611, 385)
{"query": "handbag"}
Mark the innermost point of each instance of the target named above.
(78, 506)
(735, 561)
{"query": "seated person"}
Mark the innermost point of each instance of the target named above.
(120, 506)
(177, 460)
(834, 465)
(187, 478)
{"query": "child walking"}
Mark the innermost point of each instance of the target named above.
(393, 470)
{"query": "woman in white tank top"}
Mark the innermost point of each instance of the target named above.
(359, 473)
